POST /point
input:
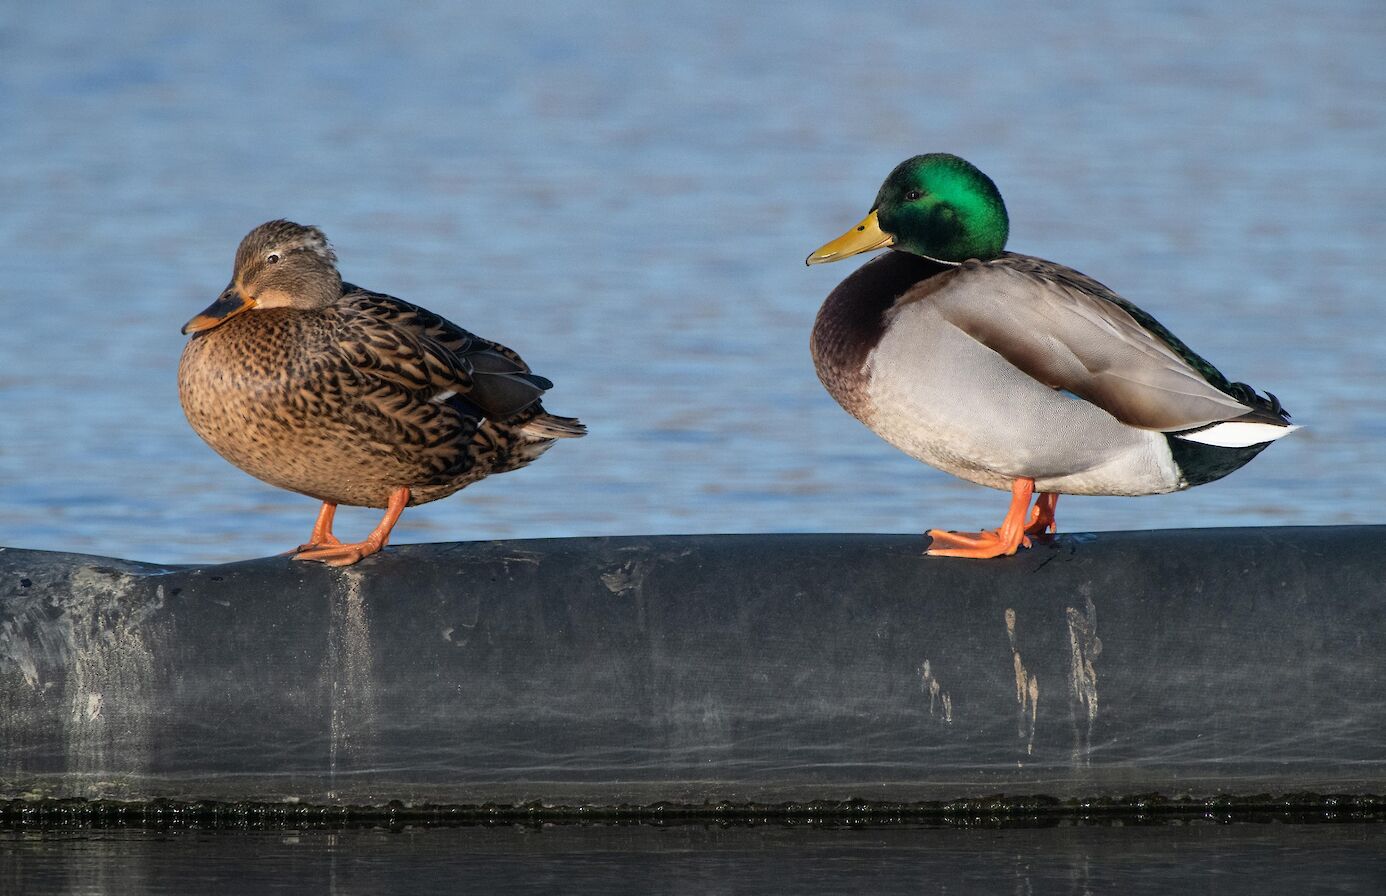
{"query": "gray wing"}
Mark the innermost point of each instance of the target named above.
(1069, 332)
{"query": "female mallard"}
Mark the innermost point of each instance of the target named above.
(350, 396)
(1014, 372)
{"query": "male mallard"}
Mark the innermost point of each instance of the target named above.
(1014, 372)
(350, 396)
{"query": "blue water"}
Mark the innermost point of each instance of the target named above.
(625, 194)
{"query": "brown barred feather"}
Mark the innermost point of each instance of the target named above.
(348, 401)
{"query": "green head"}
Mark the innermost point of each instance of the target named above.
(936, 205)
(943, 207)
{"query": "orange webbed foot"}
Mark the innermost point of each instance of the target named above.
(329, 541)
(339, 554)
(976, 546)
(1042, 519)
(326, 548)
(322, 531)
(1002, 542)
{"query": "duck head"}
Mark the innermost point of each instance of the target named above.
(279, 264)
(938, 206)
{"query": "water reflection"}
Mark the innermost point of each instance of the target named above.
(1063, 859)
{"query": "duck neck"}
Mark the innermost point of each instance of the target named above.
(852, 322)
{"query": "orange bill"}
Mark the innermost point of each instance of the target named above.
(227, 306)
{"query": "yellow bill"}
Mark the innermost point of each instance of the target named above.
(865, 237)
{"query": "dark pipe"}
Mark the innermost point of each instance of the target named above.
(761, 668)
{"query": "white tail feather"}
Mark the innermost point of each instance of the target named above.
(1237, 434)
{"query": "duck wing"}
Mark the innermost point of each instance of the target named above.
(433, 357)
(1072, 333)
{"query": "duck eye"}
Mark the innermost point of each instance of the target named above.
(272, 258)
(912, 195)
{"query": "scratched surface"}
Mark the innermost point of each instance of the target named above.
(705, 668)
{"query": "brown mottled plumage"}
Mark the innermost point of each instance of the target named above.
(350, 396)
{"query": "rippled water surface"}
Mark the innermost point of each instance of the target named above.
(1235, 860)
(626, 195)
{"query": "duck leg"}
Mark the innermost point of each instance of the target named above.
(346, 554)
(322, 530)
(1004, 541)
(1042, 515)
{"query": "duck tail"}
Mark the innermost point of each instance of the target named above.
(1264, 408)
(1264, 423)
(551, 426)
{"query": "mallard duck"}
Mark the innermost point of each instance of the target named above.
(351, 396)
(1014, 372)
